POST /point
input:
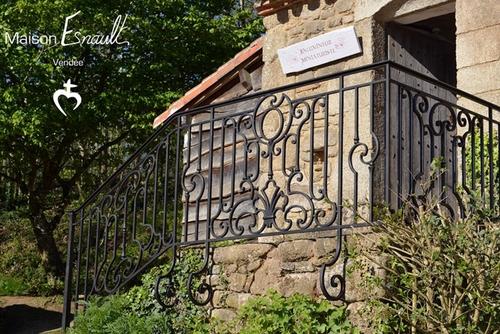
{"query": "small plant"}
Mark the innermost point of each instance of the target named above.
(112, 315)
(276, 314)
(137, 310)
(21, 269)
(11, 286)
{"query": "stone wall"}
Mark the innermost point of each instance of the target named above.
(291, 264)
(478, 48)
(288, 266)
(307, 20)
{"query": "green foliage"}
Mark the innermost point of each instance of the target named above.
(111, 315)
(275, 314)
(21, 270)
(442, 275)
(137, 311)
(55, 160)
(480, 168)
(184, 316)
(12, 286)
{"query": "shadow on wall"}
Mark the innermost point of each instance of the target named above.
(282, 16)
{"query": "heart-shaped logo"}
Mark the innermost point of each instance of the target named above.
(66, 92)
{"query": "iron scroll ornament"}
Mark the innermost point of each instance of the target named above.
(264, 182)
(267, 201)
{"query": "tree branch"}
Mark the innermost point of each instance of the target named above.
(17, 180)
(95, 155)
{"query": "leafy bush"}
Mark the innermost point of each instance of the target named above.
(442, 275)
(136, 311)
(21, 267)
(11, 286)
(275, 314)
(184, 316)
(112, 315)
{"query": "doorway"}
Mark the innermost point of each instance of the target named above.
(427, 46)
(421, 109)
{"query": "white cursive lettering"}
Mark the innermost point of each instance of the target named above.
(66, 31)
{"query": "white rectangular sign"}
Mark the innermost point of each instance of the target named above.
(319, 50)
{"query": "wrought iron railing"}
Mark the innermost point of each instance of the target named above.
(307, 157)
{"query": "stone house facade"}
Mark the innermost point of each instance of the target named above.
(280, 167)
(469, 60)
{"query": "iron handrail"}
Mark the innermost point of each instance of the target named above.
(404, 130)
(359, 69)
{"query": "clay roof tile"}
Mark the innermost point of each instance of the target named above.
(210, 81)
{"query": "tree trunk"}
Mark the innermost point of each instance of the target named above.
(46, 244)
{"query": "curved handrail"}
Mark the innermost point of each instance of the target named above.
(348, 72)
(174, 171)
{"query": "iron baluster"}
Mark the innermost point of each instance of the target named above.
(260, 170)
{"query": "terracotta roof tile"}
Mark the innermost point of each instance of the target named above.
(210, 81)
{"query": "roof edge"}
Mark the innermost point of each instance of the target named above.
(210, 81)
